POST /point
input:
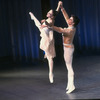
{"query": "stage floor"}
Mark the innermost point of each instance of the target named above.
(32, 83)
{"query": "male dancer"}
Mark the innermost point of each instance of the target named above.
(68, 36)
(47, 40)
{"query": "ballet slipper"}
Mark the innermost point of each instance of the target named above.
(51, 78)
(67, 87)
(71, 89)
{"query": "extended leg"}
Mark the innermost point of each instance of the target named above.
(37, 23)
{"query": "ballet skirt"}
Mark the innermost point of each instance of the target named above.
(47, 42)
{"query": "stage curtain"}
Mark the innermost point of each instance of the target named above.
(19, 37)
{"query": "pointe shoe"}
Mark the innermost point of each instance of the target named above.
(68, 85)
(67, 88)
(71, 89)
(51, 78)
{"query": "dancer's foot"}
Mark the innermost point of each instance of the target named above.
(32, 16)
(71, 89)
(51, 78)
(67, 87)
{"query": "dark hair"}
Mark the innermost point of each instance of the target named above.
(76, 20)
(55, 13)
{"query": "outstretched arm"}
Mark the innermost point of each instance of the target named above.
(58, 29)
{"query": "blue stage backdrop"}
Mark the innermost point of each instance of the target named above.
(19, 37)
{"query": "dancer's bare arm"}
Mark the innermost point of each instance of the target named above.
(42, 21)
(58, 7)
(58, 29)
(63, 11)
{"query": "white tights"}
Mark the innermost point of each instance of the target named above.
(50, 63)
(68, 56)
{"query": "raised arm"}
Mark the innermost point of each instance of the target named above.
(58, 7)
(64, 11)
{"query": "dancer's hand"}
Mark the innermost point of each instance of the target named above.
(42, 21)
(43, 26)
(60, 3)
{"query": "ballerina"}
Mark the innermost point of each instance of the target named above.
(47, 39)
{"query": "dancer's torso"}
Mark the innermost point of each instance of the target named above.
(46, 29)
(68, 36)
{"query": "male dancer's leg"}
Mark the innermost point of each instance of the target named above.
(68, 56)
